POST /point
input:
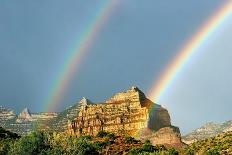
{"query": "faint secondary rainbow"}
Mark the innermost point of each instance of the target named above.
(74, 59)
(186, 52)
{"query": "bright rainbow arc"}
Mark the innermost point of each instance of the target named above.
(72, 64)
(183, 56)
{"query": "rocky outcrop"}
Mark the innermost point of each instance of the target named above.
(6, 115)
(25, 115)
(59, 123)
(208, 130)
(127, 112)
(219, 144)
(43, 116)
(168, 136)
(24, 122)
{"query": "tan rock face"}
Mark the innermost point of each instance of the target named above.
(25, 115)
(127, 112)
(169, 136)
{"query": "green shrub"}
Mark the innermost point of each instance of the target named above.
(173, 151)
(34, 143)
(5, 146)
(102, 134)
(4, 134)
(148, 147)
(189, 151)
(86, 148)
(129, 140)
(135, 151)
(213, 152)
(88, 138)
(111, 136)
(100, 145)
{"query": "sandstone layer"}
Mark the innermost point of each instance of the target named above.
(127, 112)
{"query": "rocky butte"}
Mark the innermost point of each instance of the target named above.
(129, 113)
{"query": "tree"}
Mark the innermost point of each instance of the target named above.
(34, 143)
(173, 151)
(213, 151)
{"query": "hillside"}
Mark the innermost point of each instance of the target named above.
(23, 123)
(27, 121)
(61, 143)
(6, 115)
(4, 134)
(60, 122)
(208, 130)
(220, 144)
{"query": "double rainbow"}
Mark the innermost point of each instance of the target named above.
(159, 87)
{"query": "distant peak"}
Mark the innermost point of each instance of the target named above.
(211, 124)
(26, 110)
(134, 88)
(84, 101)
(25, 114)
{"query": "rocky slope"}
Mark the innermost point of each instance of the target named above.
(220, 144)
(4, 134)
(6, 115)
(167, 136)
(24, 122)
(208, 130)
(27, 121)
(60, 123)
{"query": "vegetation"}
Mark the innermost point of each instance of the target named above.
(49, 143)
(149, 149)
(102, 134)
(129, 139)
(220, 144)
(4, 134)
(6, 140)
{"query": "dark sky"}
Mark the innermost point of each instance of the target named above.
(133, 47)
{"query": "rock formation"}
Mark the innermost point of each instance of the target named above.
(127, 112)
(168, 136)
(208, 130)
(59, 123)
(6, 115)
(25, 115)
(25, 121)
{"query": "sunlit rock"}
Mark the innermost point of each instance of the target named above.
(127, 112)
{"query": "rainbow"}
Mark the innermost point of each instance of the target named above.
(75, 58)
(185, 54)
